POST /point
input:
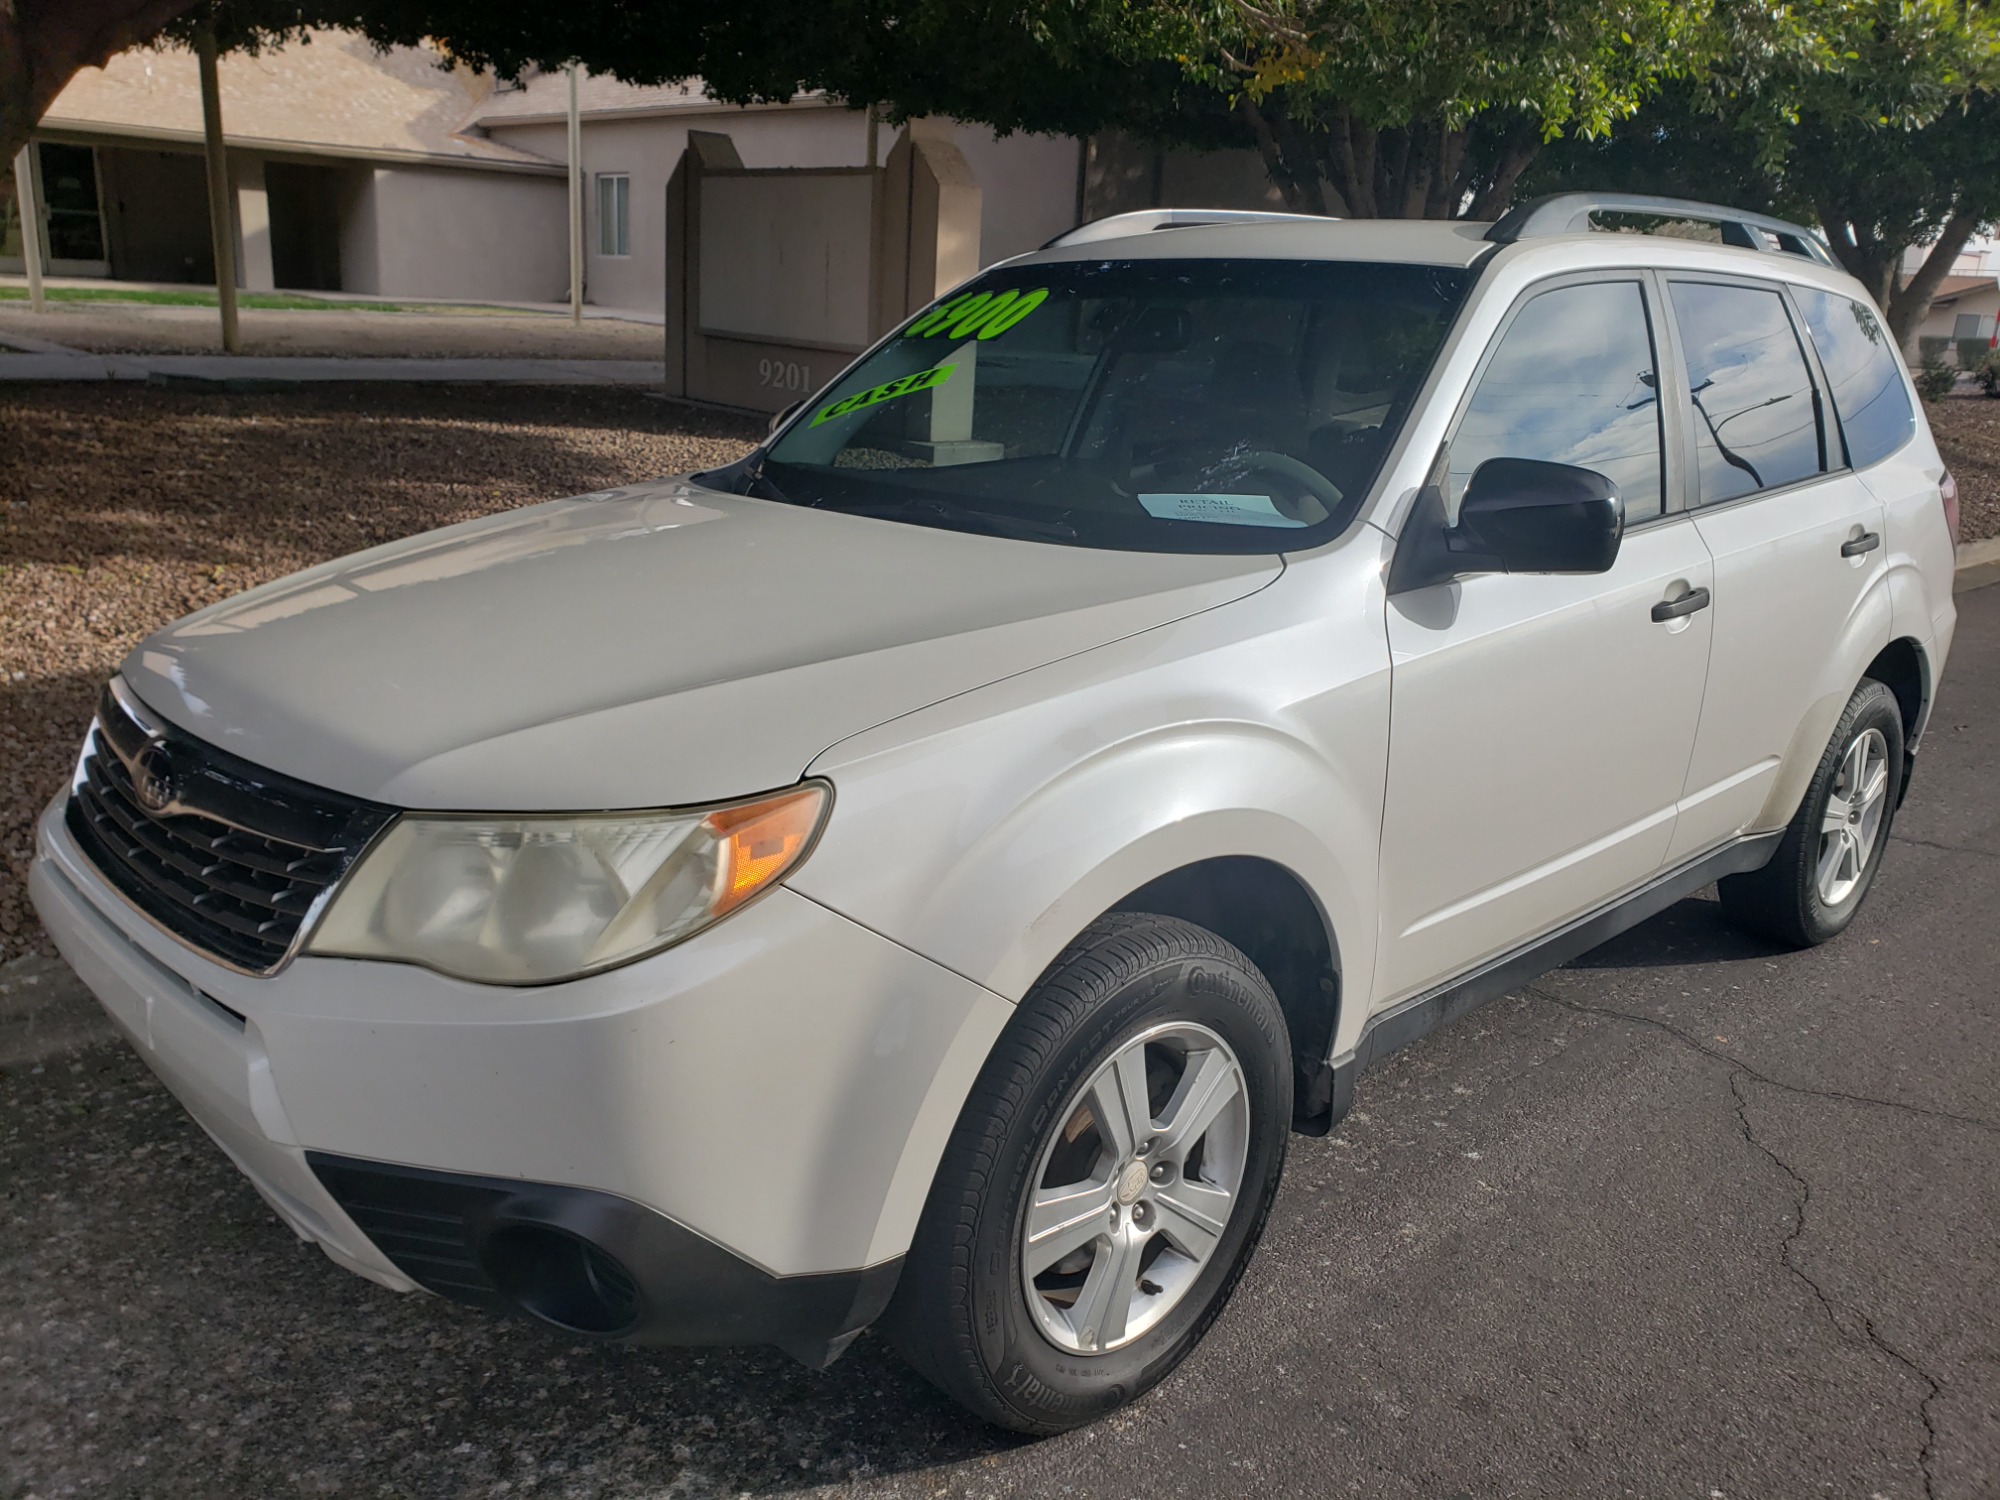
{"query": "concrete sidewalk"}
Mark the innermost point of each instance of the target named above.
(242, 370)
(100, 284)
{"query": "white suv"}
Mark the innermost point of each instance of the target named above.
(921, 872)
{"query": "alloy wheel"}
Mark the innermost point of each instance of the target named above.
(1135, 1188)
(1853, 818)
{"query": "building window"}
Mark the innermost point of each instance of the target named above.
(69, 188)
(1966, 326)
(614, 213)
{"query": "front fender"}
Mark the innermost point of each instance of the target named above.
(1003, 903)
(987, 832)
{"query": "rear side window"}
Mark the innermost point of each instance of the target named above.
(1757, 421)
(1865, 374)
(1571, 382)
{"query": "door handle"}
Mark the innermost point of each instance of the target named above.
(1687, 604)
(1868, 541)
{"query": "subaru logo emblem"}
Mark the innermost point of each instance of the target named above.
(153, 778)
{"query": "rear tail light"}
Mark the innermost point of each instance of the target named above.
(1948, 492)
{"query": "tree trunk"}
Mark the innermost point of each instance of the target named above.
(1299, 182)
(1336, 163)
(1494, 189)
(1864, 257)
(1910, 304)
(44, 42)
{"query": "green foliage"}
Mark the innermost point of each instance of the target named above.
(1971, 353)
(1931, 347)
(1855, 110)
(1935, 379)
(1887, 133)
(1987, 372)
(1359, 106)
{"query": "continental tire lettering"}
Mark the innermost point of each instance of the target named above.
(1021, 1381)
(922, 380)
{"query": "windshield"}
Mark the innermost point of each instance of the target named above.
(1174, 406)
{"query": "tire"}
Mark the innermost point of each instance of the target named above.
(1791, 899)
(967, 1314)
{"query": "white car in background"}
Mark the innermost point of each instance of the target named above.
(922, 872)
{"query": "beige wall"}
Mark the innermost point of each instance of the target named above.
(1943, 318)
(1122, 174)
(648, 148)
(439, 232)
(787, 256)
(1028, 188)
(1028, 183)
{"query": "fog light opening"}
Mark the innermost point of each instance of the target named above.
(561, 1279)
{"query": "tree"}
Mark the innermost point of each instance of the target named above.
(1431, 107)
(765, 51)
(1364, 107)
(44, 42)
(1898, 145)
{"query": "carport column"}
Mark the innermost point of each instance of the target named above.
(706, 150)
(221, 221)
(28, 193)
(253, 216)
(575, 137)
(926, 223)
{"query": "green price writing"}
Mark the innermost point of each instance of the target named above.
(909, 385)
(977, 314)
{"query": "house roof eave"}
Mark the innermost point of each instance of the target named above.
(92, 132)
(694, 109)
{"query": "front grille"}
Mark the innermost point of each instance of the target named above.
(236, 860)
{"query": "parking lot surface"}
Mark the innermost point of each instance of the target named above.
(1691, 1217)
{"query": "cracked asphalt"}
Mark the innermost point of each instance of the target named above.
(1691, 1217)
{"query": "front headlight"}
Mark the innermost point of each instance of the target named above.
(538, 898)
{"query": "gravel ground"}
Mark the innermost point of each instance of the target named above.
(1968, 433)
(122, 508)
(132, 328)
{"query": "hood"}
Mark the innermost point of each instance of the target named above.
(650, 646)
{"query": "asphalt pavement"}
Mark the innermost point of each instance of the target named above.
(1692, 1217)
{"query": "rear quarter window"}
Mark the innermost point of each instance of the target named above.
(1862, 367)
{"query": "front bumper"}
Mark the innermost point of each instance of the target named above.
(757, 1114)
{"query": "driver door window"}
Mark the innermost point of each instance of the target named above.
(1572, 381)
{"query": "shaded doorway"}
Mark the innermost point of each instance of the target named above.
(305, 226)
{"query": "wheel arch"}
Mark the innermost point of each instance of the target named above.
(1266, 910)
(1903, 667)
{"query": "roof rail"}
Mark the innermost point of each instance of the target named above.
(1569, 213)
(1145, 220)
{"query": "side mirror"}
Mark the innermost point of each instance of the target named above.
(780, 418)
(1520, 515)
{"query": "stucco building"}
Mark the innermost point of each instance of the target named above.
(394, 174)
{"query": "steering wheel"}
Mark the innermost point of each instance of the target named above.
(1304, 475)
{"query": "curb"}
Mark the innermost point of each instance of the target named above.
(1978, 565)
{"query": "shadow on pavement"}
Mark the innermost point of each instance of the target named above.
(1692, 931)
